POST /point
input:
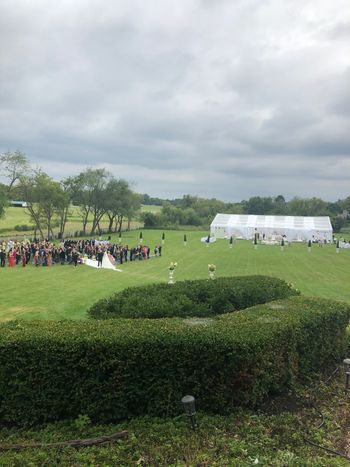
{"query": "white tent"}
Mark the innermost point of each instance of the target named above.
(294, 228)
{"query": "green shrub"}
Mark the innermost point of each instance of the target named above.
(110, 370)
(192, 298)
(23, 228)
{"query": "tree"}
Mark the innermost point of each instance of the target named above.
(68, 189)
(90, 195)
(308, 207)
(171, 215)
(28, 193)
(150, 219)
(337, 223)
(14, 165)
(279, 205)
(119, 202)
(346, 204)
(52, 200)
(133, 205)
(44, 198)
(259, 205)
(3, 200)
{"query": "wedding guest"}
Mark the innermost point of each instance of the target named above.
(11, 257)
(2, 257)
(23, 257)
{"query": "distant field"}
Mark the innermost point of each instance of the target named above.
(150, 208)
(62, 292)
(345, 230)
(19, 216)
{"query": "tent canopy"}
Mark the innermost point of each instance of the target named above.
(294, 228)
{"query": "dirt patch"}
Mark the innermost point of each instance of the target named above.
(287, 402)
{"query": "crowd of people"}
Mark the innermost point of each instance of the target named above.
(46, 253)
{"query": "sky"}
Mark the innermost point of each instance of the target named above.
(215, 98)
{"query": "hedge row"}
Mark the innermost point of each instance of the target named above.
(111, 370)
(192, 298)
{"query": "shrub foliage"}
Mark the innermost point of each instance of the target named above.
(114, 369)
(192, 298)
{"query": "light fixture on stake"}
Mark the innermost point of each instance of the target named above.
(188, 403)
(346, 363)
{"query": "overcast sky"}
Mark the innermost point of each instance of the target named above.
(219, 98)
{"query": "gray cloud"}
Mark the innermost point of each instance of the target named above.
(225, 99)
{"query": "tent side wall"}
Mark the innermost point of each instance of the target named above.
(296, 228)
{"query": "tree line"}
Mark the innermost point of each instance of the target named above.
(48, 202)
(99, 195)
(193, 210)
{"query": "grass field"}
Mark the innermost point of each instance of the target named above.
(19, 216)
(243, 438)
(151, 208)
(62, 292)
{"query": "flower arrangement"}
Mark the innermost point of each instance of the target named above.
(172, 266)
(211, 269)
(292, 287)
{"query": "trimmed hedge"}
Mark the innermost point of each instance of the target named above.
(192, 298)
(111, 370)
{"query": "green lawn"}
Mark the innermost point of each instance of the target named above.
(20, 216)
(62, 292)
(243, 438)
(151, 208)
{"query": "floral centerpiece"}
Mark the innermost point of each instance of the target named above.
(212, 270)
(172, 266)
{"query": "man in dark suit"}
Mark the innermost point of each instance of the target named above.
(99, 258)
(2, 258)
